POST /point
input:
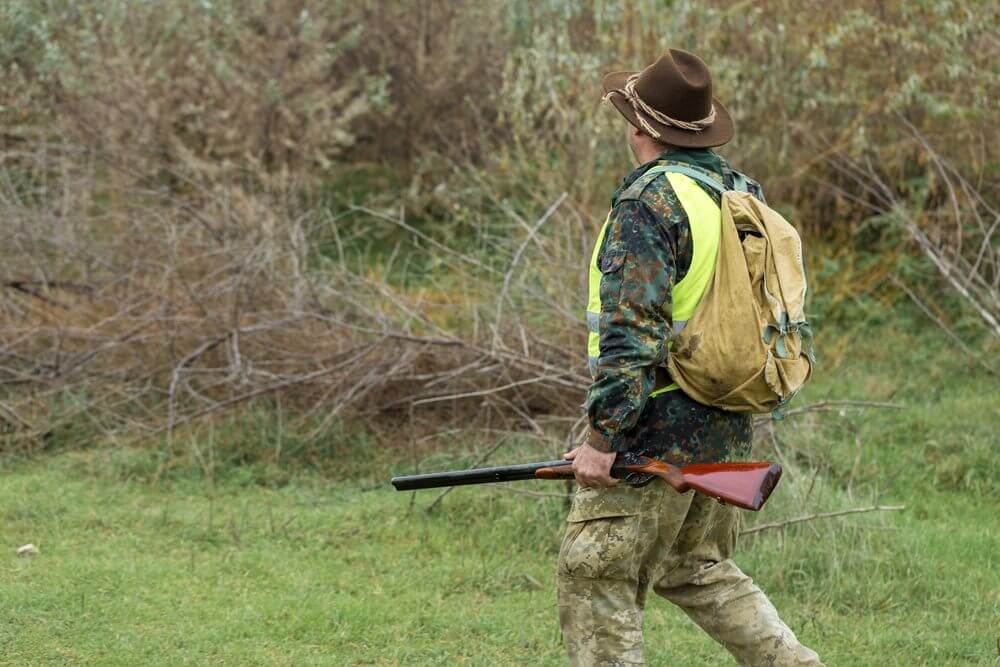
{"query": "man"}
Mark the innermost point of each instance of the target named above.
(651, 264)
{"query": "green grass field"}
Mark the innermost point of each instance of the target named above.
(344, 571)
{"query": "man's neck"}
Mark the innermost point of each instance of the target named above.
(650, 152)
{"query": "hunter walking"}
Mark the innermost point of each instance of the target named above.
(654, 259)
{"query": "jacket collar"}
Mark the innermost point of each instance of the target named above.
(702, 158)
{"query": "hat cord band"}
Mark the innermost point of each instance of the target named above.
(641, 108)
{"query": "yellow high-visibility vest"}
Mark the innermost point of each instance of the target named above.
(706, 223)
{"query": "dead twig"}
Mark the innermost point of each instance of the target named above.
(482, 392)
(822, 515)
(972, 354)
(13, 416)
(497, 319)
(824, 406)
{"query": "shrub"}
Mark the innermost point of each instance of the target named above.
(196, 88)
(159, 164)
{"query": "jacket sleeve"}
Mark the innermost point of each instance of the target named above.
(637, 263)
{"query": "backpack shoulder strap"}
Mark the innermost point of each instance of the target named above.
(740, 182)
(635, 190)
(697, 175)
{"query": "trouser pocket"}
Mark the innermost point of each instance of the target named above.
(600, 548)
(602, 534)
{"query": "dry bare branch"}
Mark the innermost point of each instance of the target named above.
(821, 515)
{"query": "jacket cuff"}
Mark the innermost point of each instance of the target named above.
(599, 441)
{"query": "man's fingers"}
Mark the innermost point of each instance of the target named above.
(571, 454)
(592, 468)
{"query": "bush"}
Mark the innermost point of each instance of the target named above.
(167, 255)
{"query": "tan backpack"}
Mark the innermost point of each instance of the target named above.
(748, 346)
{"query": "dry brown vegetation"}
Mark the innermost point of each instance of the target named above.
(371, 211)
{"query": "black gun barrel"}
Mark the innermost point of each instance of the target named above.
(509, 473)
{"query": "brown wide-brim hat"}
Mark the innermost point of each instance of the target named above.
(679, 86)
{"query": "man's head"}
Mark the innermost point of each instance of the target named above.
(671, 103)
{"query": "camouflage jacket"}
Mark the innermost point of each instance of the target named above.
(651, 229)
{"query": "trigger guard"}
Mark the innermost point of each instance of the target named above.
(637, 479)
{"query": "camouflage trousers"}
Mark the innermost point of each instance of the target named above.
(622, 540)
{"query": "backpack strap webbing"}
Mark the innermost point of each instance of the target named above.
(739, 180)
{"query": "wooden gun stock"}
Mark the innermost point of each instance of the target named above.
(745, 485)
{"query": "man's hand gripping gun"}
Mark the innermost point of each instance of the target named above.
(745, 485)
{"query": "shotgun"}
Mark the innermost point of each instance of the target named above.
(745, 485)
